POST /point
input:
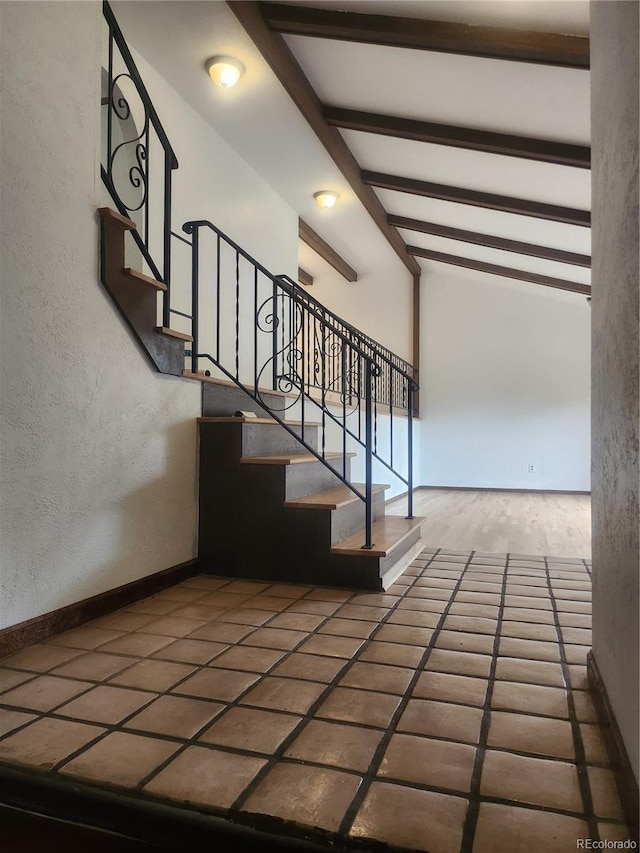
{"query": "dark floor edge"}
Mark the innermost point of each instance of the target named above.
(618, 757)
(16, 637)
(501, 489)
(26, 831)
(166, 826)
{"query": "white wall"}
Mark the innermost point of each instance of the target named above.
(98, 452)
(214, 183)
(616, 336)
(504, 383)
(504, 374)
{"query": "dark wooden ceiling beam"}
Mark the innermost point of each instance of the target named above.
(490, 241)
(286, 68)
(524, 207)
(443, 36)
(326, 252)
(542, 150)
(495, 269)
(305, 277)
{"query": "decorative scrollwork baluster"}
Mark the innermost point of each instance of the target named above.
(287, 358)
(137, 173)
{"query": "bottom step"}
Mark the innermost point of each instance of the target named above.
(388, 534)
(396, 543)
(391, 574)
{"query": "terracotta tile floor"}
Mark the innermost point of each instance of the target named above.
(450, 714)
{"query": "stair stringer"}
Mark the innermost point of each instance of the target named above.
(136, 300)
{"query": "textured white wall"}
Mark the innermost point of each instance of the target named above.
(616, 337)
(98, 452)
(98, 483)
(504, 384)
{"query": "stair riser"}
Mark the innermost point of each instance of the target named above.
(272, 440)
(220, 401)
(306, 478)
(348, 519)
(387, 563)
(246, 531)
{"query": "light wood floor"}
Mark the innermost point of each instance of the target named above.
(556, 525)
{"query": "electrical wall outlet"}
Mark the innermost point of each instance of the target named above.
(531, 469)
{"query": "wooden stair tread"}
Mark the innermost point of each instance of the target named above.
(387, 533)
(172, 333)
(232, 419)
(146, 279)
(213, 380)
(109, 213)
(332, 498)
(289, 458)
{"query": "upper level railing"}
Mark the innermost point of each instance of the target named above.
(262, 331)
(387, 392)
(137, 158)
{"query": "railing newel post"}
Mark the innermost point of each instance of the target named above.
(369, 375)
(274, 339)
(194, 297)
(410, 448)
(166, 301)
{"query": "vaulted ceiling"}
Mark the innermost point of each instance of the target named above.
(457, 133)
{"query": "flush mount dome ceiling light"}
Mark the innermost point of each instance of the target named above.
(225, 71)
(326, 198)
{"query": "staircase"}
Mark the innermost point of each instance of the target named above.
(270, 511)
(316, 396)
(270, 507)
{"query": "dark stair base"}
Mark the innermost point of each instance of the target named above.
(247, 531)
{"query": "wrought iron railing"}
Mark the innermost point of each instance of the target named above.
(388, 390)
(262, 331)
(137, 158)
(322, 367)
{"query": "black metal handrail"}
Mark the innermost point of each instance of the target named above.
(297, 347)
(130, 148)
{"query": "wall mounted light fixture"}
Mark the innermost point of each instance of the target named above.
(326, 198)
(225, 71)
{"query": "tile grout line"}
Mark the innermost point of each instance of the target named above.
(310, 714)
(473, 812)
(374, 765)
(235, 703)
(200, 667)
(348, 663)
(197, 667)
(580, 759)
(112, 728)
(194, 739)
